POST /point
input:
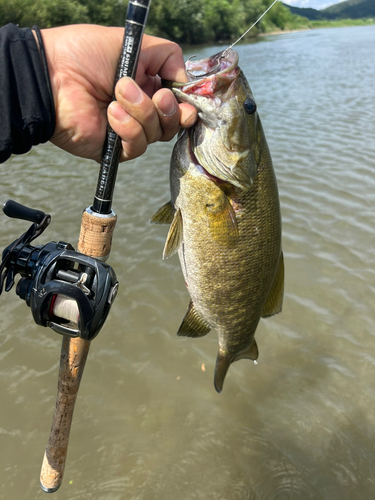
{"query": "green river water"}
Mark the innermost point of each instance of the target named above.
(148, 423)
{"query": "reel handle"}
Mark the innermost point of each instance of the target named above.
(17, 211)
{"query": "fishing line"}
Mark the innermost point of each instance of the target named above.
(251, 27)
(223, 54)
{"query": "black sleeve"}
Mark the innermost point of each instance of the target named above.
(27, 114)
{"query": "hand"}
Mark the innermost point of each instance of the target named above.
(82, 62)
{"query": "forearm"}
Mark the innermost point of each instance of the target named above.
(26, 106)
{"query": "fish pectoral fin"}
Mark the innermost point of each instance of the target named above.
(164, 215)
(193, 324)
(223, 222)
(174, 238)
(274, 300)
(251, 353)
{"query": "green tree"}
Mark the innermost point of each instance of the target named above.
(44, 13)
(225, 18)
(180, 20)
(47, 14)
(106, 12)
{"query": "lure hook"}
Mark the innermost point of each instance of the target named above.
(202, 75)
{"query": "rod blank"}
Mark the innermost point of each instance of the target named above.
(136, 19)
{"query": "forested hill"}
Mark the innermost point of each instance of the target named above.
(309, 13)
(351, 9)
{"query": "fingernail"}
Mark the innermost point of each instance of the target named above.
(130, 91)
(117, 112)
(167, 104)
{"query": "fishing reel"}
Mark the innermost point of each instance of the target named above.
(70, 292)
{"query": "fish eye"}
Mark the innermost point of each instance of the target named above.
(249, 106)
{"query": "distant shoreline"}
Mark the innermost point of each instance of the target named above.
(344, 23)
(283, 32)
(313, 25)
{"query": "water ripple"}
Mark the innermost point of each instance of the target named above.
(148, 424)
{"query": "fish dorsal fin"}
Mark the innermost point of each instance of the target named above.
(251, 353)
(222, 221)
(164, 215)
(193, 324)
(174, 238)
(274, 301)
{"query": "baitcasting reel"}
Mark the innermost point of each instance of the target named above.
(66, 290)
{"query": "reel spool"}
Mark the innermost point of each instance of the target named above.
(70, 292)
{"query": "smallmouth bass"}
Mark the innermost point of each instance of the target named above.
(224, 212)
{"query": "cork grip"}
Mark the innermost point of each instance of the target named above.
(96, 234)
(95, 240)
(74, 352)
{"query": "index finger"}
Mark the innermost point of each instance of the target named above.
(160, 57)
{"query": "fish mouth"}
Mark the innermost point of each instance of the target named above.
(218, 64)
(208, 75)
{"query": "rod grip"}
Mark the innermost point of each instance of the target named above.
(95, 240)
(74, 353)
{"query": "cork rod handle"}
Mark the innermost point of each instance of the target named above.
(95, 240)
(72, 363)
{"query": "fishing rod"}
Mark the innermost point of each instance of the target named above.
(72, 292)
(97, 226)
(136, 19)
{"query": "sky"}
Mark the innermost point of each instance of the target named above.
(314, 4)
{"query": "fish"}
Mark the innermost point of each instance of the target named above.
(224, 212)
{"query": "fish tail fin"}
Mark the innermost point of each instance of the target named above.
(223, 362)
(251, 352)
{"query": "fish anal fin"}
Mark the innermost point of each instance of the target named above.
(174, 238)
(193, 324)
(274, 300)
(222, 221)
(164, 215)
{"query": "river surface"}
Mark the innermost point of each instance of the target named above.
(148, 423)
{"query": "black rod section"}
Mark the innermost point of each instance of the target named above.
(136, 18)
